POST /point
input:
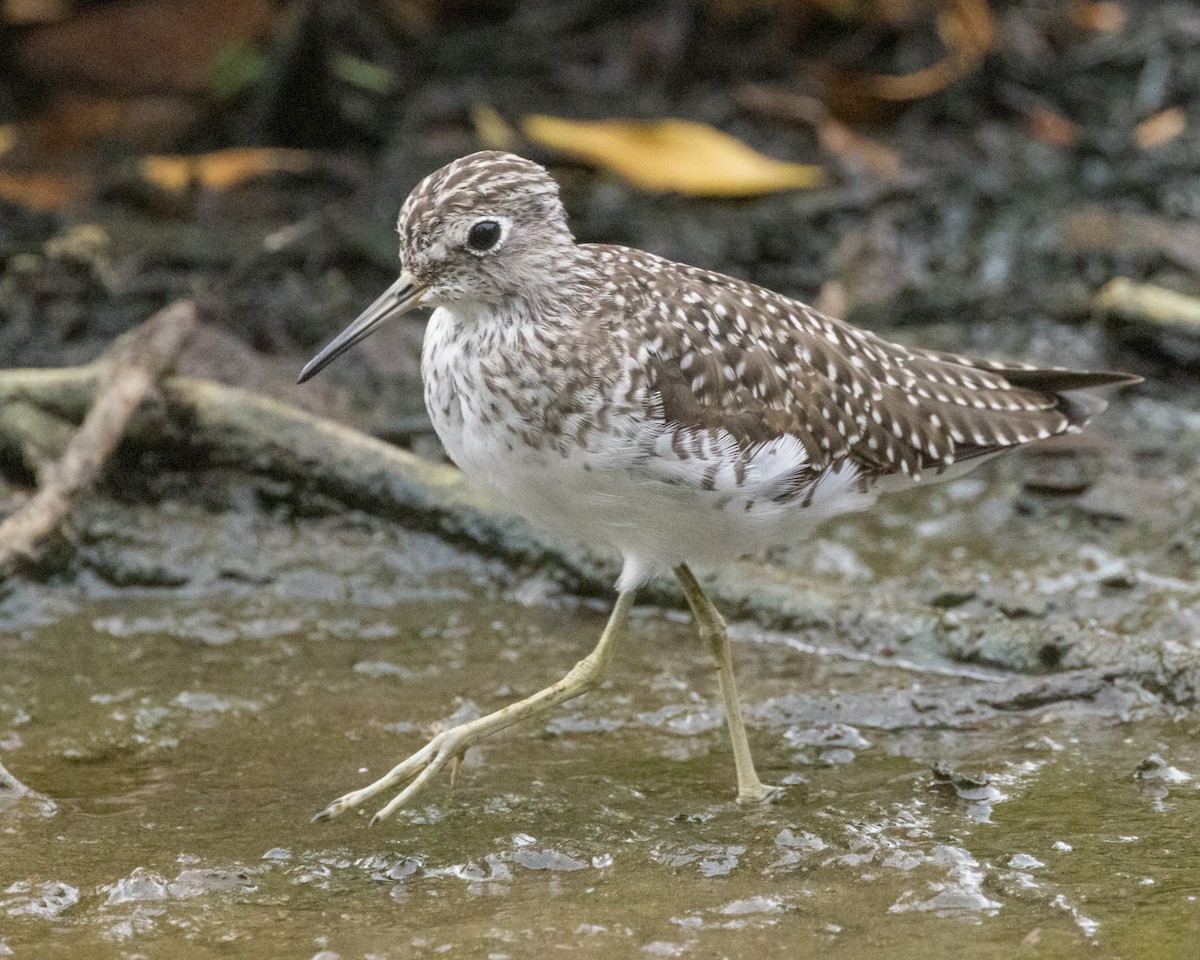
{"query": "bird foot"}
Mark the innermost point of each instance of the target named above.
(759, 793)
(449, 745)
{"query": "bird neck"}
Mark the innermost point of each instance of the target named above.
(548, 299)
(566, 279)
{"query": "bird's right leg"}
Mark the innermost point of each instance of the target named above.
(711, 626)
(450, 744)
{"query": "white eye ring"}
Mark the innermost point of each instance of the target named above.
(487, 234)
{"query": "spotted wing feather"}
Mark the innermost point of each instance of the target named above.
(723, 354)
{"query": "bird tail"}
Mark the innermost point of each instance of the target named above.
(1080, 394)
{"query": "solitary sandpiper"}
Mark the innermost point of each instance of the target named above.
(675, 415)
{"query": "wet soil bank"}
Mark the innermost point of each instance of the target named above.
(176, 734)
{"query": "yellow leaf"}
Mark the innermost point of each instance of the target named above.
(492, 130)
(671, 156)
(223, 168)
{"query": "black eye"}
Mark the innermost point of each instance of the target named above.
(483, 235)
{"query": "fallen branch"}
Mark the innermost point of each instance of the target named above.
(1145, 303)
(1132, 234)
(226, 427)
(132, 367)
(1160, 323)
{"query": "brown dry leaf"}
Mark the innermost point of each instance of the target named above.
(1160, 128)
(145, 46)
(222, 169)
(968, 30)
(832, 134)
(1050, 127)
(34, 11)
(41, 190)
(1101, 17)
(72, 123)
(672, 156)
(1137, 234)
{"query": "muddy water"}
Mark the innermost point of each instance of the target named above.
(177, 738)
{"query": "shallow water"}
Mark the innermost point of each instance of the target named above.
(178, 738)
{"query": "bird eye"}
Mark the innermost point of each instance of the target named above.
(484, 235)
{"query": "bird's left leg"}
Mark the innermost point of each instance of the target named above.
(450, 744)
(711, 626)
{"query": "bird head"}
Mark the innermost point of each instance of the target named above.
(487, 229)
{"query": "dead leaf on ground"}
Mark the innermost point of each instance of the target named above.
(833, 135)
(223, 169)
(1146, 303)
(1159, 129)
(968, 30)
(672, 156)
(1132, 234)
(1099, 17)
(1051, 127)
(34, 11)
(70, 123)
(40, 190)
(151, 46)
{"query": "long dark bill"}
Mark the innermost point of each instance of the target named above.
(399, 298)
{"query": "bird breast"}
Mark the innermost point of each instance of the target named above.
(583, 456)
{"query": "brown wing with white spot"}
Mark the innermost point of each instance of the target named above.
(952, 408)
(722, 353)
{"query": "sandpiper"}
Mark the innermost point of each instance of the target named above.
(675, 415)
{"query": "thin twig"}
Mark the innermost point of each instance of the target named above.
(134, 364)
(834, 136)
(1148, 305)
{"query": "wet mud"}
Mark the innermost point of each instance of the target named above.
(977, 708)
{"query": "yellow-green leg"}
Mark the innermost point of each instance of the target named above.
(711, 626)
(450, 744)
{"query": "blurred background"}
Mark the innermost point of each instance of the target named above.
(975, 162)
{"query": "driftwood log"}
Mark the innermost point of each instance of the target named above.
(229, 427)
(222, 426)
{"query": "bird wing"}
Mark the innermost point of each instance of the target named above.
(722, 356)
